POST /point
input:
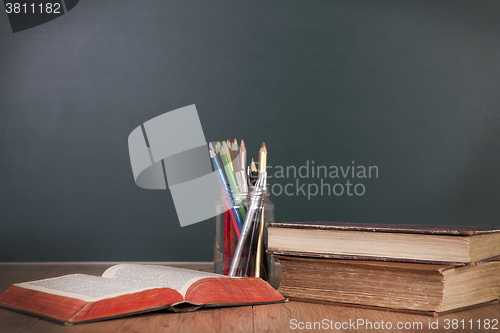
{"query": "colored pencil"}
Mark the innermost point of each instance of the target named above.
(228, 153)
(232, 182)
(225, 186)
(233, 240)
(253, 173)
(217, 147)
(243, 155)
(234, 156)
(241, 173)
(227, 242)
(260, 240)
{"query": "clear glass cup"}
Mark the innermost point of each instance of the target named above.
(226, 238)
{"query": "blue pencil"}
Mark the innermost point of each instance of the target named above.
(226, 188)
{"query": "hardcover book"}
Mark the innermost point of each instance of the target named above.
(426, 288)
(403, 243)
(130, 289)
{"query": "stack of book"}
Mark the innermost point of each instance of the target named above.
(411, 268)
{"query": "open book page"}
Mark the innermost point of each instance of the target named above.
(86, 287)
(175, 278)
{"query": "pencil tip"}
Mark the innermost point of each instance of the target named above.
(263, 148)
(242, 146)
(252, 166)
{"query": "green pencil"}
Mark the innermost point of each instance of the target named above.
(232, 180)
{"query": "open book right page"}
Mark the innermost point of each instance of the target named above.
(175, 278)
(199, 287)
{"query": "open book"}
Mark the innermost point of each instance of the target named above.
(130, 289)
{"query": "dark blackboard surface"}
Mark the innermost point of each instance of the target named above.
(410, 87)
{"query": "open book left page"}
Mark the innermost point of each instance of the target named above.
(83, 298)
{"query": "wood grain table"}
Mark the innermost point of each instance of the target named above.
(288, 317)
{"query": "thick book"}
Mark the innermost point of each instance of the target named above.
(404, 243)
(426, 288)
(131, 289)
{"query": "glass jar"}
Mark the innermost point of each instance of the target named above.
(228, 234)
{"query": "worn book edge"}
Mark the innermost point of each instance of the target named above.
(277, 253)
(427, 267)
(390, 228)
(380, 308)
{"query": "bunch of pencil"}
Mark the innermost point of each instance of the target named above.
(244, 188)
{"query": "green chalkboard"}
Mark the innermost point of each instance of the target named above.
(405, 89)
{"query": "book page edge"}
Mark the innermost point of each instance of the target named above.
(89, 299)
(192, 281)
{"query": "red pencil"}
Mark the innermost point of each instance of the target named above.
(232, 241)
(236, 229)
(227, 242)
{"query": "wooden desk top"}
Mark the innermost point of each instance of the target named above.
(262, 318)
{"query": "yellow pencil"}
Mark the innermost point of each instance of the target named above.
(228, 154)
(260, 242)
